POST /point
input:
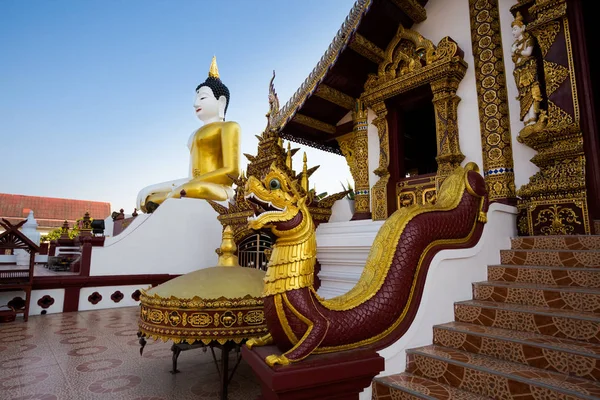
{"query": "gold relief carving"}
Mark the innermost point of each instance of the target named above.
(555, 216)
(407, 52)
(174, 318)
(492, 99)
(554, 202)
(557, 117)
(379, 190)
(406, 199)
(361, 159)
(523, 225)
(199, 320)
(314, 123)
(547, 10)
(412, 61)
(555, 74)
(412, 9)
(346, 143)
(155, 316)
(335, 96)
(228, 319)
(366, 48)
(446, 49)
(572, 69)
(445, 103)
(420, 190)
(546, 35)
(254, 317)
(563, 219)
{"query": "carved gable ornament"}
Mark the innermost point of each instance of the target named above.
(410, 60)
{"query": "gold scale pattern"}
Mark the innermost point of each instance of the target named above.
(492, 99)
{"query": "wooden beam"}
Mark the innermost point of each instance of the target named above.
(314, 123)
(366, 48)
(344, 129)
(412, 9)
(335, 96)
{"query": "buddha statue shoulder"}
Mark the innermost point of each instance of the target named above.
(214, 151)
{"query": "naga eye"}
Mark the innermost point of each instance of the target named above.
(275, 184)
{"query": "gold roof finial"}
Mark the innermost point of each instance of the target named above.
(213, 72)
(304, 181)
(227, 257)
(288, 157)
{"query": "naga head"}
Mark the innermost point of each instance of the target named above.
(278, 201)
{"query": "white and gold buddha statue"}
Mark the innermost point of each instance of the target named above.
(214, 151)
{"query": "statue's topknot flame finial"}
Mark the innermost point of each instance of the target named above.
(213, 72)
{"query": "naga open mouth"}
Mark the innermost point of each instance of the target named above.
(261, 207)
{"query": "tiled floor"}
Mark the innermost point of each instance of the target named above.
(95, 355)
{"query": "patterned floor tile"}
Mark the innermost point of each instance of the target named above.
(95, 355)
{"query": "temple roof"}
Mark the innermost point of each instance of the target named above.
(311, 114)
(49, 212)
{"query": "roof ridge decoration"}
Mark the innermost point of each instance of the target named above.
(327, 61)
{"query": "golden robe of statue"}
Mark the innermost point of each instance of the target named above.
(214, 151)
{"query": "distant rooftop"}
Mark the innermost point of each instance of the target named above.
(50, 212)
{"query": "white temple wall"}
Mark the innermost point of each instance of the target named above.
(34, 309)
(451, 18)
(373, 140)
(181, 236)
(521, 153)
(106, 292)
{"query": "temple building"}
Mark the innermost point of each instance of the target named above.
(469, 267)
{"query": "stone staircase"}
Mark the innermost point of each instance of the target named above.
(532, 331)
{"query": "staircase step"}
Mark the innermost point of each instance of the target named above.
(559, 297)
(568, 242)
(560, 276)
(407, 386)
(495, 378)
(576, 325)
(552, 258)
(571, 357)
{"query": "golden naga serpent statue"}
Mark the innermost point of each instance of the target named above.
(382, 305)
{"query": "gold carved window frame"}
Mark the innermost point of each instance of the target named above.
(411, 61)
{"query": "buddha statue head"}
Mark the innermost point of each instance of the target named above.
(212, 97)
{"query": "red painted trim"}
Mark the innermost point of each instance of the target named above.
(71, 302)
(86, 258)
(60, 282)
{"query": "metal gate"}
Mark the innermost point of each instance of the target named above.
(251, 251)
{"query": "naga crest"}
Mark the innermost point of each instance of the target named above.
(279, 201)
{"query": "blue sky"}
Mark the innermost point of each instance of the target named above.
(96, 96)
